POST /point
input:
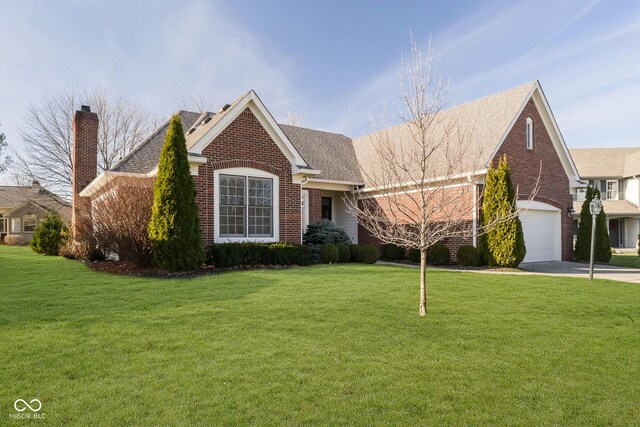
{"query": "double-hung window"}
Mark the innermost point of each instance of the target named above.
(16, 225)
(612, 190)
(246, 206)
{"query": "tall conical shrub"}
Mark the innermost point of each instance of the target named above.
(504, 244)
(583, 238)
(602, 250)
(174, 229)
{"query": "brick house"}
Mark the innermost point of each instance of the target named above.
(257, 180)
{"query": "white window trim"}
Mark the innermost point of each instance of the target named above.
(13, 229)
(612, 181)
(247, 172)
(24, 230)
(529, 133)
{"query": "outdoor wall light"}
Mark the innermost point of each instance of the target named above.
(570, 211)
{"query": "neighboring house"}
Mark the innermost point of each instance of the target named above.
(257, 180)
(616, 172)
(22, 208)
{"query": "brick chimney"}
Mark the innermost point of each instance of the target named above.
(85, 161)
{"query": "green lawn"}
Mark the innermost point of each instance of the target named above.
(625, 260)
(319, 345)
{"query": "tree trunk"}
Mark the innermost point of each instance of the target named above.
(423, 282)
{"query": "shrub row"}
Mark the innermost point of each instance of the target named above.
(391, 252)
(330, 253)
(439, 254)
(226, 255)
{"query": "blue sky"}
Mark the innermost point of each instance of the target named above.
(333, 63)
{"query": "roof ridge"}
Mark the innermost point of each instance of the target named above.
(315, 130)
(453, 108)
(530, 83)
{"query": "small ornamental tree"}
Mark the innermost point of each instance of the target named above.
(49, 235)
(602, 249)
(504, 245)
(174, 229)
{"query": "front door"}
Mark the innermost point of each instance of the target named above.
(614, 232)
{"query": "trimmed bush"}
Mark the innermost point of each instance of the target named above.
(325, 231)
(367, 254)
(391, 252)
(344, 254)
(15, 240)
(49, 235)
(439, 254)
(468, 256)
(229, 255)
(329, 253)
(638, 244)
(174, 229)
(414, 255)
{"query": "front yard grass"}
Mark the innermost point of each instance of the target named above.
(625, 260)
(319, 345)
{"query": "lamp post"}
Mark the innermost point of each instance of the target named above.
(594, 207)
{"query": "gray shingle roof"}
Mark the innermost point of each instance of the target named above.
(13, 195)
(479, 124)
(606, 162)
(145, 156)
(331, 153)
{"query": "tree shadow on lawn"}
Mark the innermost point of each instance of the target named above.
(72, 291)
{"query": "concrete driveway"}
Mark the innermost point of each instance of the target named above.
(576, 269)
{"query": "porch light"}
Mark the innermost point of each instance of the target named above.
(595, 207)
(570, 211)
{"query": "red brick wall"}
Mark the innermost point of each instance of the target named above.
(461, 202)
(245, 143)
(315, 205)
(85, 162)
(525, 167)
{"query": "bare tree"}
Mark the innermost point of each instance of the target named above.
(197, 103)
(5, 160)
(422, 176)
(47, 134)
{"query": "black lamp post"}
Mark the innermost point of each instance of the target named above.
(594, 207)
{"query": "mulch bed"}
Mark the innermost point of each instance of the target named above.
(125, 268)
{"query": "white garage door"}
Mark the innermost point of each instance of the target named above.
(541, 228)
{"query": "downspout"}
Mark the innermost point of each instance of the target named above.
(475, 210)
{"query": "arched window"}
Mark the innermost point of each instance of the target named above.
(29, 222)
(529, 131)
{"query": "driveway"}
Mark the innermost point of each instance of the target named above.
(576, 269)
(556, 268)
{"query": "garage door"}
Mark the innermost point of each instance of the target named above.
(541, 227)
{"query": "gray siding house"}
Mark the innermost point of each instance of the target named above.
(22, 208)
(616, 173)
